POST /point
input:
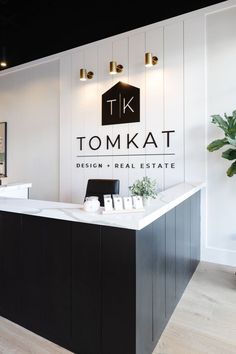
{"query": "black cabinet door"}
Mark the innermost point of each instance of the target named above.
(45, 277)
(9, 264)
(118, 289)
(32, 275)
(195, 231)
(57, 280)
(187, 225)
(159, 277)
(144, 290)
(170, 263)
(86, 288)
(180, 250)
(182, 247)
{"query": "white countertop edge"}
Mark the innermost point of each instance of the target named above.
(147, 220)
(166, 201)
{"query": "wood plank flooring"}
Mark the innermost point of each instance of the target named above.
(204, 321)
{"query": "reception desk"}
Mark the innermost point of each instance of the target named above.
(93, 283)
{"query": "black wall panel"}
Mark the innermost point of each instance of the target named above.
(118, 290)
(86, 288)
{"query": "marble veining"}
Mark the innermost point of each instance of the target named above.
(166, 200)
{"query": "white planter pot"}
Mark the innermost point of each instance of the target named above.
(146, 201)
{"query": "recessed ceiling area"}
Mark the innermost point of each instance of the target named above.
(31, 30)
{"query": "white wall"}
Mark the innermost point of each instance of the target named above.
(29, 103)
(172, 98)
(194, 78)
(221, 97)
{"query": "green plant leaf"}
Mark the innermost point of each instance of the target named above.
(231, 127)
(145, 187)
(217, 144)
(231, 141)
(232, 170)
(229, 154)
(220, 122)
(228, 125)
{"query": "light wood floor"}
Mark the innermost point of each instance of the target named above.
(204, 321)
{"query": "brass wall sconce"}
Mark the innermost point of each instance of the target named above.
(84, 75)
(150, 59)
(114, 68)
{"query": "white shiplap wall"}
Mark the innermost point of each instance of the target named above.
(165, 104)
(221, 97)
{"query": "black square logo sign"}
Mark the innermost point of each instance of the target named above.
(121, 104)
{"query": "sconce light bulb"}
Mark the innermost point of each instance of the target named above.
(3, 64)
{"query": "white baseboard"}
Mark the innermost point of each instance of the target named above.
(218, 255)
(209, 253)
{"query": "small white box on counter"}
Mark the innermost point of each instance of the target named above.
(128, 203)
(117, 200)
(108, 205)
(138, 202)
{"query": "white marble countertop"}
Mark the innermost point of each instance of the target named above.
(14, 186)
(166, 201)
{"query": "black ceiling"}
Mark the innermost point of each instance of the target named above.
(34, 29)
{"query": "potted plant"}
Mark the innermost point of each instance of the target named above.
(145, 188)
(228, 125)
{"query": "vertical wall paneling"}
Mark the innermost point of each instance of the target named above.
(194, 96)
(65, 129)
(105, 81)
(120, 55)
(91, 121)
(221, 88)
(173, 100)
(79, 111)
(163, 106)
(137, 78)
(154, 105)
